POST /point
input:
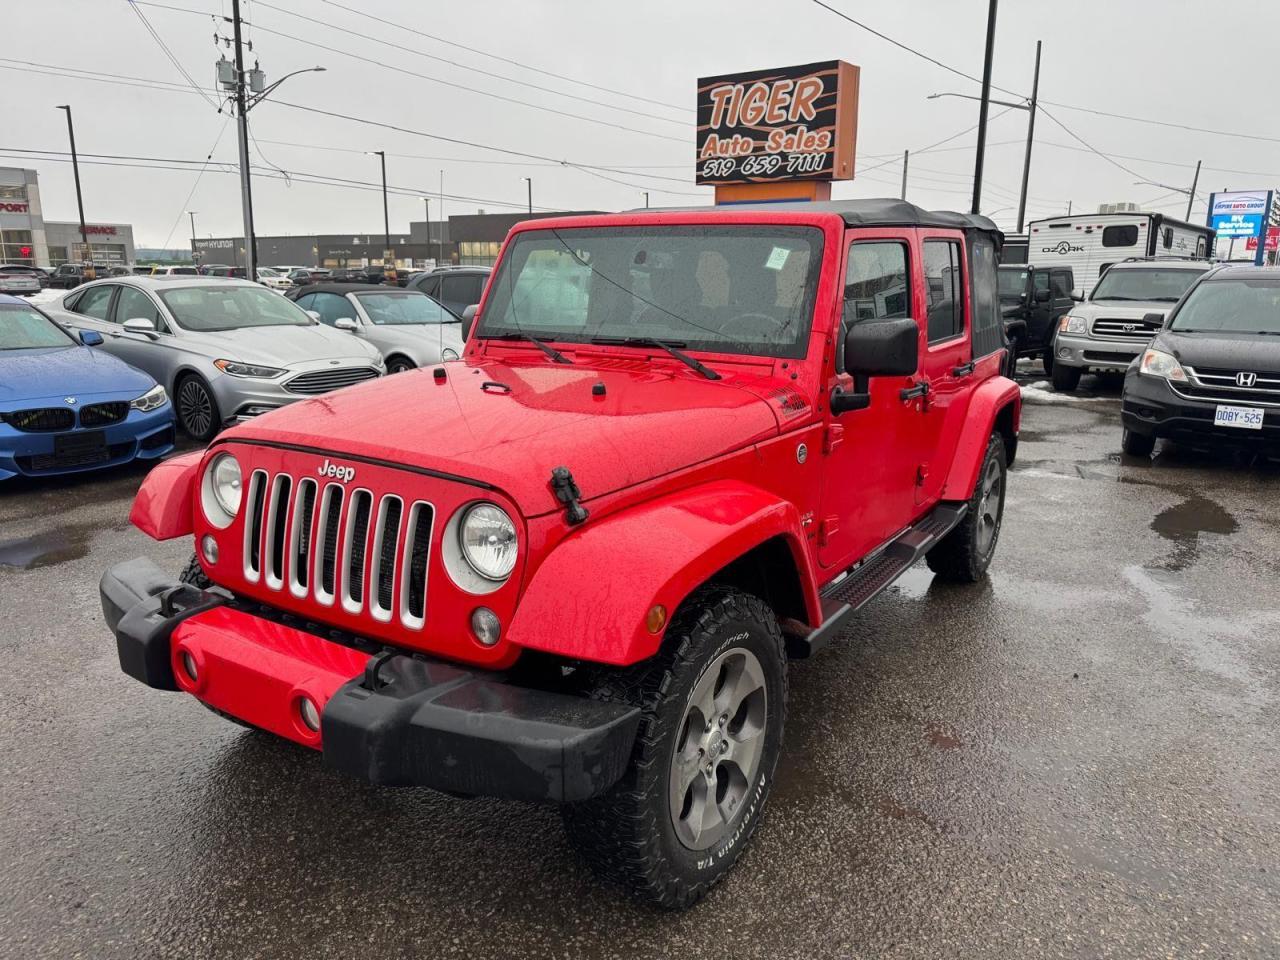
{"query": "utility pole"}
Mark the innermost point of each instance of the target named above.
(1031, 132)
(1068, 208)
(192, 215)
(427, 201)
(90, 273)
(529, 181)
(984, 109)
(387, 253)
(242, 135)
(441, 217)
(906, 157)
(1191, 197)
(646, 199)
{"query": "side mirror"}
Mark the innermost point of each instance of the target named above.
(1042, 296)
(469, 317)
(91, 338)
(1156, 319)
(347, 324)
(884, 348)
(314, 315)
(140, 325)
(1078, 295)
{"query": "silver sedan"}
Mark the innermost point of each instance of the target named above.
(226, 349)
(408, 328)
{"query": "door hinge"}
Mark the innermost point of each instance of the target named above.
(922, 474)
(827, 529)
(833, 437)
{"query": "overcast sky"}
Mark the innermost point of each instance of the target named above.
(1119, 56)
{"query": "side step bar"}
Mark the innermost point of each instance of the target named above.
(842, 599)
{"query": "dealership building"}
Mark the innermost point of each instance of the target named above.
(466, 240)
(27, 238)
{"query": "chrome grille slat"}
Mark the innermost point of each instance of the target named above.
(1112, 329)
(370, 552)
(322, 381)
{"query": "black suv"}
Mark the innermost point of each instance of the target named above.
(68, 276)
(454, 288)
(1211, 375)
(1033, 299)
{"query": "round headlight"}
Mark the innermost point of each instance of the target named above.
(222, 490)
(487, 537)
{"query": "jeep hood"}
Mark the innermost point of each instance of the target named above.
(509, 425)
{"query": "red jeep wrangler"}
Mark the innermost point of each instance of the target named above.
(681, 448)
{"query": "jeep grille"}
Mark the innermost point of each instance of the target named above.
(367, 545)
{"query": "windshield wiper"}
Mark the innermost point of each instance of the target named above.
(667, 345)
(551, 352)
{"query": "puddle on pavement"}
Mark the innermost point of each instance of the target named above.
(1184, 522)
(940, 737)
(897, 811)
(48, 548)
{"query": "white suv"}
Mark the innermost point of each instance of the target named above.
(1125, 310)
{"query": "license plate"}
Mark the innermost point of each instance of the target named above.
(1244, 418)
(88, 445)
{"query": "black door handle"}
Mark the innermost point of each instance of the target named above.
(921, 389)
(964, 370)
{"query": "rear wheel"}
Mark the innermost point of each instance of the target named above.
(713, 706)
(964, 554)
(1065, 379)
(1136, 444)
(197, 410)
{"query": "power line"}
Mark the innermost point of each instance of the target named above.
(516, 63)
(463, 66)
(192, 192)
(172, 59)
(1111, 160)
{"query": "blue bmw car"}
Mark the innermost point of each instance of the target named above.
(65, 407)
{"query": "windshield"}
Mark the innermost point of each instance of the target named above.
(22, 328)
(1231, 306)
(1013, 282)
(1146, 283)
(404, 308)
(226, 306)
(729, 289)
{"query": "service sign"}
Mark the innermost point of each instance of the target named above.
(1239, 214)
(791, 123)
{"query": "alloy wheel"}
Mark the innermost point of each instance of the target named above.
(989, 505)
(718, 750)
(195, 406)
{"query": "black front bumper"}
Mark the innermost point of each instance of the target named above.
(407, 720)
(1150, 407)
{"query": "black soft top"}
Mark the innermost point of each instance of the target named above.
(879, 212)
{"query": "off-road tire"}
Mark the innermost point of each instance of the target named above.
(1065, 379)
(1136, 444)
(627, 834)
(964, 554)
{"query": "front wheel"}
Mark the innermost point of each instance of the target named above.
(1065, 379)
(1046, 360)
(399, 365)
(713, 707)
(197, 410)
(964, 554)
(1136, 444)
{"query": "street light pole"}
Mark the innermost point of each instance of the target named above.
(529, 181)
(427, 202)
(1031, 132)
(242, 138)
(1191, 197)
(192, 215)
(906, 157)
(984, 108)
(386, 217)
(75, 167)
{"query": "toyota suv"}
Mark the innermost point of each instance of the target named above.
(1125, 310)
(680, 449)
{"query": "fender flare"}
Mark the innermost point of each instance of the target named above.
(163, 508)
(589, 598)
(989, 401)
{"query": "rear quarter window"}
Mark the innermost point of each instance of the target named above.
(1120, 235)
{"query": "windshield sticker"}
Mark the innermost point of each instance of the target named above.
(777, 258)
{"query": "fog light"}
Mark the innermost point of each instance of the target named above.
(189, 666)
(1064, 352)
(310, 714)
(209, 547)
(486, 626)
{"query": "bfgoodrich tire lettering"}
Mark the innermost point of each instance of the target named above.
(630, 834)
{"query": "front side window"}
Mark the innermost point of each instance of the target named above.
(95, 302)
(1145, 283)
(1042, 281)
(745, 289)
(1231, 306)
(22, 328)
(875, 282)
(405, 307)
(231, 306)
(1062, 282)
(465, 289)
(1120, 236)
(944, 301)
(133, 304)
(332, 308)
(1013, 283)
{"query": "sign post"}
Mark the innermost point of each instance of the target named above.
(780, 134)
(1241, 215)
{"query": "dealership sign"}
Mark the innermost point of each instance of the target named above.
(1239, 214)
(791, 123)
(1273, 240)
(13, 206)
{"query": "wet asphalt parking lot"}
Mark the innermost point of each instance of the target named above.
(1076, 758)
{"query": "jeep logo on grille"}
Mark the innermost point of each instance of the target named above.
(341, 474)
